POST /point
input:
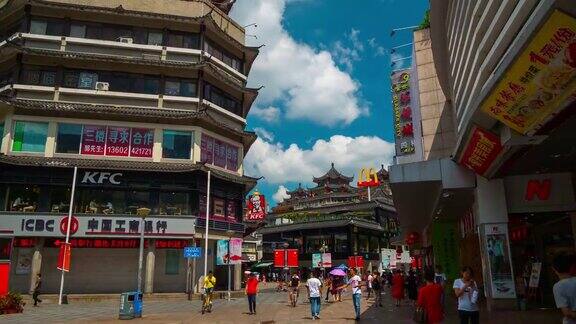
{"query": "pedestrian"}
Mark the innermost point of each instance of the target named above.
(251, 292)
(328, 285)
(467, 293)
(356, 283)
(398, 287)
(36, 291)
(430, 299)
(377, 284)
(389, 277)
(369, 279)
(412, 286)
(314, 287)
(440, 278)
(565, 289)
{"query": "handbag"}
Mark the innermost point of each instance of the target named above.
(419, 315)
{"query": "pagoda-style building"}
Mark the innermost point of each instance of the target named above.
(335, 217)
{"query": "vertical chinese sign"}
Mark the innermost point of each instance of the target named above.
(219, 153)
(541, 80)
(401, 105)
(481, 150)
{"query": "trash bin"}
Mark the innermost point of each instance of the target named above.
(130, 305)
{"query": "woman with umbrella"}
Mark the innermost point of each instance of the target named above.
(337, 283)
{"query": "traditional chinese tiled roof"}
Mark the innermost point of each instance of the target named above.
(224, 5)
(129, 165)
(332, 174)
(121, 112)
(382, 174)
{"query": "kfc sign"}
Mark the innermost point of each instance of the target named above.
(101, 178)
(256, 207)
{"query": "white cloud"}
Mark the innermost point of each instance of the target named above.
(399, 64)
(269, 114)
(379, 50)
(281, 194)
(279, 164)
(347, 55)
(263, 133)
(304, 81)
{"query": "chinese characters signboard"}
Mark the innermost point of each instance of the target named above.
(540, 81)
(401, 105)
(482, 149)
(286, 258)
(117, 141)
(99, 226)
(219, 153)
(256, 207)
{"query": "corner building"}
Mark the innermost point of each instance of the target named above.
(144, 97)
(503, 185)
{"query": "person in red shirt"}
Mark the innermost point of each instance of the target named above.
(430, 299)
(398, 287)
(251, 292)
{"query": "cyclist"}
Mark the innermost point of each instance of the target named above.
(294, 290)
(209, 283)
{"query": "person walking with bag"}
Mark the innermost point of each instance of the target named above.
(251, 292)
(377, 284)
(36, 292)
(466, 291)
(430, 300)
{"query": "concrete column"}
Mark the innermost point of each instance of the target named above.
(150, 264)
(490, 208)
(36, 267)
(237, 277)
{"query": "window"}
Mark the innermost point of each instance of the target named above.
(176, 144)
(47, 27)
(29, 136)
(68, 138)
(39, 77)
(175, 40)
(180, 88)
(218, 209)
(223, 56)
(38, 27)
(155, 38)
(172, 88)
(1, 131)
(78, 30)
(172, 262)
(59, 199)
(24, 198)
(341, 243)
(87, 80)
(219, 98)
(174, 203)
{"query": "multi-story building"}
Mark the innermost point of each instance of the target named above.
(507, 71)
(144, 97)
(333, 217)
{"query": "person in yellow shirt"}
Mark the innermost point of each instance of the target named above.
(209, 283)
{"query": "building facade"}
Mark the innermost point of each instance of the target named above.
(144, 97)
(505, 186)
(332, 217)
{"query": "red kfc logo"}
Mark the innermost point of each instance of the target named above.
(537, 188)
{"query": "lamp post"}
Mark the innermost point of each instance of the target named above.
(207, 224)
(143, 213)
(229, 276)
(286, 245)
(69, 224)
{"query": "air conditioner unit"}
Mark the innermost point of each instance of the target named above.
(102, 86)
(127, 40)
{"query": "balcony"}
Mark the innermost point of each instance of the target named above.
(220, 225)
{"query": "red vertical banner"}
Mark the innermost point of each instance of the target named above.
(93, 140)
(142, 142)
(219, 153)
(351, 262)
(292, 261)
(64, 257)
(231, 157)
(359, 261)
(4, 277)
(118, 141)
(279, 258)
(207, 149)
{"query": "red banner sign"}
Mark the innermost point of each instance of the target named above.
(142, 142)
(482, 149)
(93, 140)
(118, 141)
(64, 257)
(256, 207)
(279, 258)
(4, 277)
(286, 258)
(355, 261)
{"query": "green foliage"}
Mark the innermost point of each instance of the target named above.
(426, 22)
(11, 302)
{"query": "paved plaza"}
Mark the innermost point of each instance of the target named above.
(272, 308)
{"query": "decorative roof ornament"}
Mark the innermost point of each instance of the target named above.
(332, 174)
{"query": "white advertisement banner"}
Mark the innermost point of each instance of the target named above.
(96, 226)
(500, 268)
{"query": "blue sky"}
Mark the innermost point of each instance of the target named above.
(325, 67)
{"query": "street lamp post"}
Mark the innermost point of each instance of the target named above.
(141, 212)
(286, 245)
(207, 224)
(69, 224)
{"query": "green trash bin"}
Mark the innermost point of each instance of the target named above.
(130, 305)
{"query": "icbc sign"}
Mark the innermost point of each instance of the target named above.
(73, 225)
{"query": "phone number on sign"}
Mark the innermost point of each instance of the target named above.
(138, 151)
(117, 150)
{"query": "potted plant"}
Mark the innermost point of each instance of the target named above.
(11, 303)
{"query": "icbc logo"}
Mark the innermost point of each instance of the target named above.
(73, 225)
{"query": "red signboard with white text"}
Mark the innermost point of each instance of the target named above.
(64, 257)
(482, 149)
(355, 261)
(142, 142)
(286, 258)
(93, 140)
(118, 141)
(256, 208)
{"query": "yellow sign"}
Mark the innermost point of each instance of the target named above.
(368, 178)
(541, 80)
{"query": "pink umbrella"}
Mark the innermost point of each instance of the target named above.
(338, 272)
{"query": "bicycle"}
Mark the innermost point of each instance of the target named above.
(207, 300)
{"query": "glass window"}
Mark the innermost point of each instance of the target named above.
(341, 243)
(172, 88)
(87, 80)
(29, 136)
(59, 199)
(218, 209)
(188, 89)
(101, 201)
(68, 138)
(71, 79)
(137, 199)
(93, 31)
(109, 33)
(172, 262)
(176, 144)
(78, 30)
(174, 203)
(155, 38)
(24, 198)
(55, 28)
(192, 41)
(31, 77)
(175, 40)
(38, 27)
(363, 243)
(48, 78)
(151, 86)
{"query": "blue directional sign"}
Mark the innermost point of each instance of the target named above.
(192, 252)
